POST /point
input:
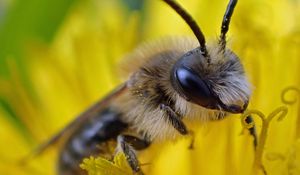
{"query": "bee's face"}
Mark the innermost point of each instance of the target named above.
(216, 84)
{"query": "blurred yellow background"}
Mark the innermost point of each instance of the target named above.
(58, 57)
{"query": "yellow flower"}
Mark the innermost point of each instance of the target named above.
(100, 166)
(79, 67)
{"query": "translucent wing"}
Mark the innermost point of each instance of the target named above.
(89, 113)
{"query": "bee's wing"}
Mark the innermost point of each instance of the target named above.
(80, 119)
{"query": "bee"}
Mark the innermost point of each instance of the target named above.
(173, 81)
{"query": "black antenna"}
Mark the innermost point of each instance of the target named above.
(191, 22)
(225, 22)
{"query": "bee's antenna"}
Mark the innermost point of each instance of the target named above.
(191, 22)
(225, 23)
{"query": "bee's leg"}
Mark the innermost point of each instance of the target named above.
(128, 144)
(252, 130)
(174, 119)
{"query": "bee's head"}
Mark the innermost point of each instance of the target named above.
(216, 84)
(212, 78)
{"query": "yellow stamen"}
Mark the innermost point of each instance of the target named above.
(281, 111)
(287, 101)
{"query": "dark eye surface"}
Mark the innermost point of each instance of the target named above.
(194, 88)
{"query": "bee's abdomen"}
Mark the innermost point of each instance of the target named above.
(90, 139)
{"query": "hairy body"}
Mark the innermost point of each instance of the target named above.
(149, 108)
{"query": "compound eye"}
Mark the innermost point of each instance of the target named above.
(194, 88)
